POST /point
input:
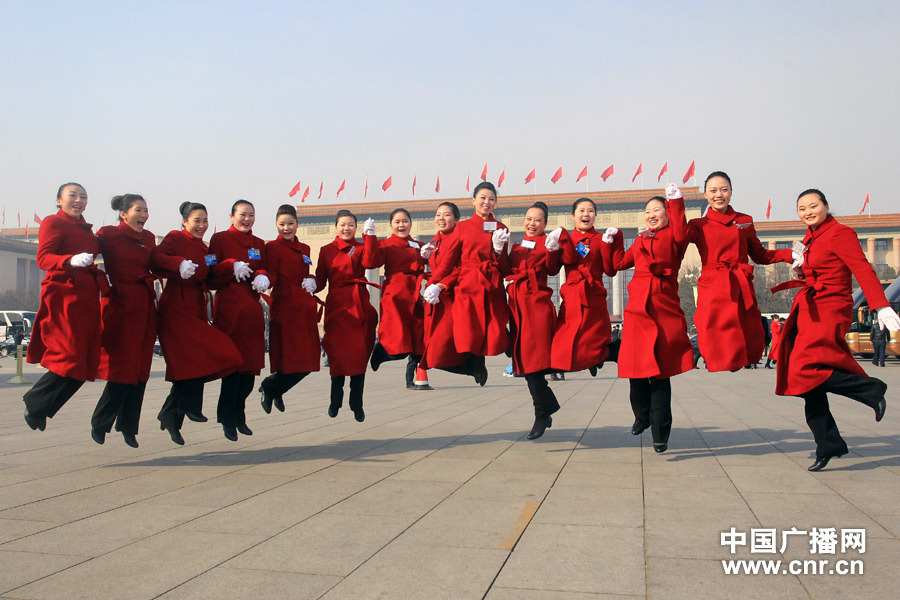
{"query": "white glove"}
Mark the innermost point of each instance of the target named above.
(888, 318)
(432, 294)
(82, 260)
(241, 270)
(261, 283)
(426, 251)
(552, 240)
(672, 192)
(499, 238)
(309, 284)
(369, 227)
(187, 268)
(608, 236)
(798, 261)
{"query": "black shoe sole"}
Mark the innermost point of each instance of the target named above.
(130, 440)
(98, 436)
(230, 433)
(359, 415)
(196, 418)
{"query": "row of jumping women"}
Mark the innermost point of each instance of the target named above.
(446, 304)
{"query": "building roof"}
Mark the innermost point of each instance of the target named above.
(864, 224)
(17, 246)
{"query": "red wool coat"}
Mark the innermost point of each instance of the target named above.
(129, 310)
(401, 328)
(293, 315)
(238, 311)
(812, 342)
(192, 347)
(350, 319)
(440, 349)
(730, 333)
(533, 316)
(775, 328)
(583, 330)
(654, 335)
(480, 313)
(64, 337)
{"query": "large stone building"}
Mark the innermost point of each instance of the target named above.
(19, 273)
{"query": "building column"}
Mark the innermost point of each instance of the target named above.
(870, 250)
(618, 294)
(896, 265)
(374, 292)
(771, 244)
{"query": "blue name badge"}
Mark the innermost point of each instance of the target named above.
(210, 259)
(254, 254)
(582, 249)
(307, 260)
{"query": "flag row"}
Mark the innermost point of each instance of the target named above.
(532, 175)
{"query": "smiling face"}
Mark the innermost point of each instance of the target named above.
(655, 215)
(197, 223)
(534, 222)
(287, 227)
(444, 220)
(718, 193)
(484, 202)
(346, 228)
(811, 210)
(400, 225)
(584, 216)
(73, 200)
(136, 216)
(243, 218)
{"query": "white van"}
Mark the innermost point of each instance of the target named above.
(10, 319)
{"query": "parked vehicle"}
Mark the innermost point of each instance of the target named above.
(863, 318)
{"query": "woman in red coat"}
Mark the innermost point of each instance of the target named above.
(533, 316)
(440, 349)
(583, 331)
(293, 319)
(813, 358)
(478, 246)
(129, 320)
(729, 325)
(195, 351)
(350, 319)
(401, 327)
(239, 277)
(775, 329)
(655, 344)
(64, 338)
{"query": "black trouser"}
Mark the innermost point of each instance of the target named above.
(861, 388)
(471, 366)
(277, 384)
(356, 391)
(233, 397)
(49, 394)
(880, 353)
(542, 396)
(651, 403)
(119, 403)
(614, 350)
(186, 395)
(412, 363)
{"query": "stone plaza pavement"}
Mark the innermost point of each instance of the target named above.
(439, 495)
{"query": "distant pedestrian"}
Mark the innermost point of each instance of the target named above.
(879, 337)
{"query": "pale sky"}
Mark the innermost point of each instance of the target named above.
(214, 101)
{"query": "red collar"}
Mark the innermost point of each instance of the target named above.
(342, 245)
(79, 221)
(724, 218)
(814, 234)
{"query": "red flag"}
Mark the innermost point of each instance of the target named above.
(609, 171)
(437, 185)
(689, 174)
(341, 189)
(557, 176)
(294, 190)
(414, 186)
(502, 178)
(662, 171)
(467, 182)
(582, 174)
(387, 183)
(214, 230)
(305, 194)
(4, 215)
(530, 177)
(769, 208)
(37, 219)
(26, 231)
(19, 218)
(321, 185)
(366, 190)
(638, 172)
(865, 204)
(484, 172)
